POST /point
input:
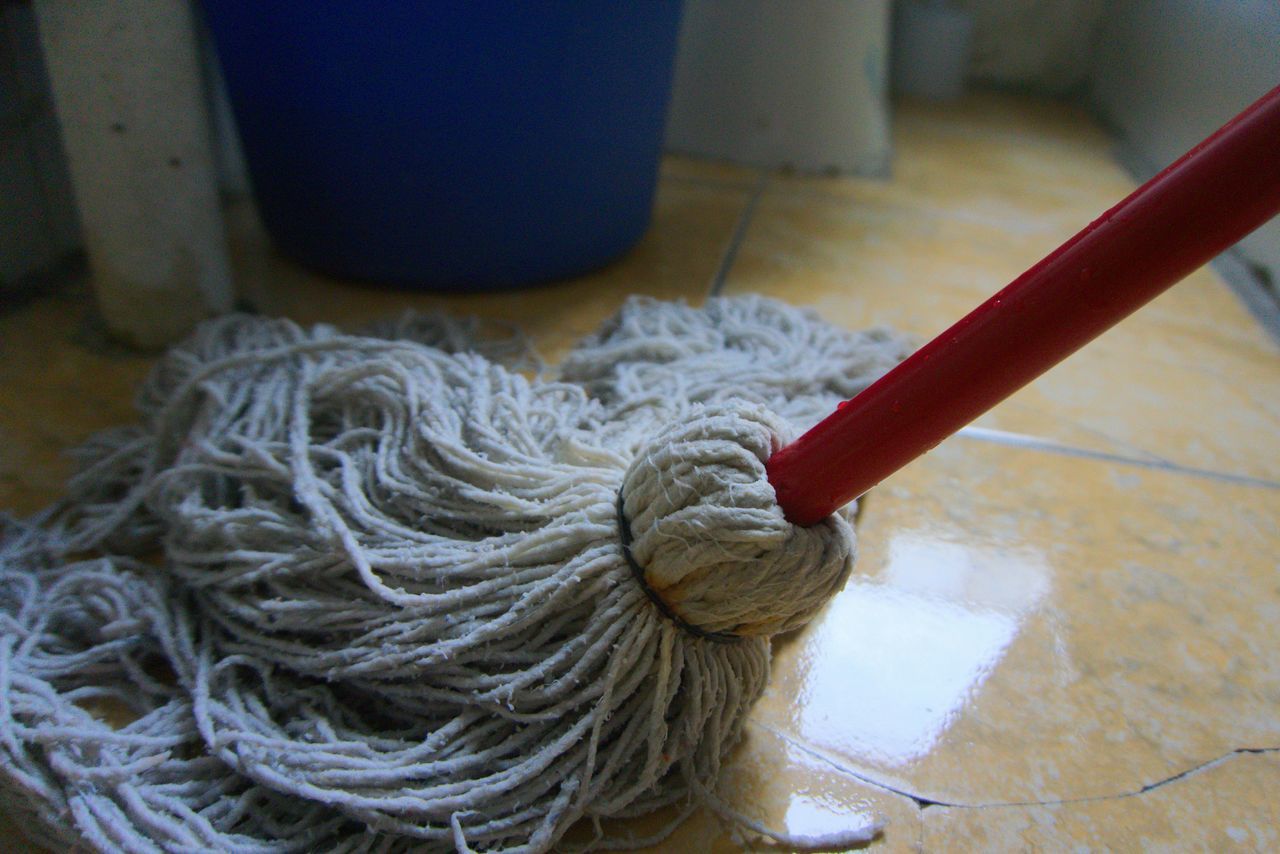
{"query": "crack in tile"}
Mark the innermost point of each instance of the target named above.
(923, 803)
(1172, 778)
(843, 769)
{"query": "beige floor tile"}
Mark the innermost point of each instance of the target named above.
(57, 386)
(1025, 626)
(992, 158)
(677, 259)
(1229, 806)
(976, 199)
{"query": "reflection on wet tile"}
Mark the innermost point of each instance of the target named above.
(1009, 579)
(898, 658)
(1027, 626)
(677, 259)
(1229, 806)
(892, 670)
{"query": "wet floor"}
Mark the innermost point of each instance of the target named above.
(1064, 624)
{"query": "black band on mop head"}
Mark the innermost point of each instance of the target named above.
(624, 532)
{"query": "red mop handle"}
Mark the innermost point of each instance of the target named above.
(1211, 197)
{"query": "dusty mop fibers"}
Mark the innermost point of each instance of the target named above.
(368, 591)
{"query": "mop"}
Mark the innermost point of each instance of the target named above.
(380, 591)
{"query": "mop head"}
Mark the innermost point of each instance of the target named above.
(380, 591)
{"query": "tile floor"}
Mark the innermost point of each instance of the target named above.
(1064, 628)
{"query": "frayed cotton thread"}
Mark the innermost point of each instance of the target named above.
(366, 592)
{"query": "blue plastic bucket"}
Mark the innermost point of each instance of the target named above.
(451, 144)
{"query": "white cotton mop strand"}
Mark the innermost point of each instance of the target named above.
(378, 591)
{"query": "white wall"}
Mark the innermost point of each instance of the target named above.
(1166, 73)
(1034, 45)
(801, 83)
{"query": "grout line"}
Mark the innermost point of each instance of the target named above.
(1020, 440)
(1122, 448)
(738, 236)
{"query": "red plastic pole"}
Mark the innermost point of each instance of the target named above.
(1203, 203)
